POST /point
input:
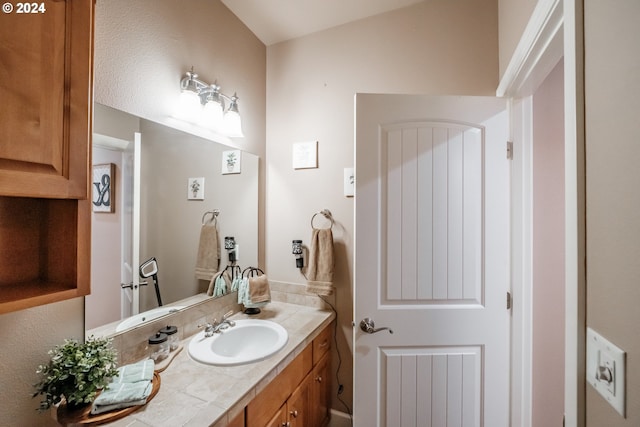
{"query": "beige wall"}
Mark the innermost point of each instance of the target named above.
(548, 252)
(612, 91)
(436, 47)
(513, 18)
(142, 49)
(27, 335)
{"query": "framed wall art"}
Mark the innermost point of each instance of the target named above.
(195, 189)
(231, 161)
(104, 187)
(305, 155)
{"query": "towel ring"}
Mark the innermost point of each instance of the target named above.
(214, 216)
(325, 213)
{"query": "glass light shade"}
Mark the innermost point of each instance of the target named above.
(189, 107)
(233, 124)
(212, 115)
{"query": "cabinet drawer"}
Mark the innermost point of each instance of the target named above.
(322, 343)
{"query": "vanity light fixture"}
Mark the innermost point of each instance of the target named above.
(204, 104)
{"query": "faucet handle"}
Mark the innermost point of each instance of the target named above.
(208, 328)
(227, 315)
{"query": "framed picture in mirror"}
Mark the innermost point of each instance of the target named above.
(103, 188)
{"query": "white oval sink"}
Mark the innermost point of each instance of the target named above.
(147, 316)
(250, 340)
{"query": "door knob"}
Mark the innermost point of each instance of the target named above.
(368, 325)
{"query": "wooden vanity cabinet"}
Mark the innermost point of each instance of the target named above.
(300, 395)
(45, 153)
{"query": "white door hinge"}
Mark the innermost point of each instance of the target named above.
(510, 150)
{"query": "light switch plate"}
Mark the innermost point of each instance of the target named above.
(605, 357)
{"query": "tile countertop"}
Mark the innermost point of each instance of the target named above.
(194, 394)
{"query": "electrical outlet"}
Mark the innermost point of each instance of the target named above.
(606, 369)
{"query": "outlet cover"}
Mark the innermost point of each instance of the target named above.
(606, 369)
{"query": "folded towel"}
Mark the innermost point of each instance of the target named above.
(122, 395)
(321, 262)
(208, 259)
(258, 287)
(139, 371)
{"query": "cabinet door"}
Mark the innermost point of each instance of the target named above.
(279, 419)
(267, 402)
(46, 90)
(237, 421)
(320, 403)
(298, 405)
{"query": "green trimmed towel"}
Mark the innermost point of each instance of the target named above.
(122, 395)
(139, 371)
(130, 387)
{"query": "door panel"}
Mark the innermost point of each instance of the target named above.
(432, 183)
(432, 222)
(431, 386)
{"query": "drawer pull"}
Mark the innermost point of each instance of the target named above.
(324, 344)
(294, 414)
(319, 379)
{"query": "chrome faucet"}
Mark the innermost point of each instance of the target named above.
(215, 328)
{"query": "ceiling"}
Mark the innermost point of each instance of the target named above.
(273, 21)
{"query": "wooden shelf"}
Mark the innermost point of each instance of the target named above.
(44, 251)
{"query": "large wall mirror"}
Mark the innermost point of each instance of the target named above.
(164, 220)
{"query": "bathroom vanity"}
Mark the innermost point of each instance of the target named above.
(290, 388)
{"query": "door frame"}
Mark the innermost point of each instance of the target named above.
(555, 30)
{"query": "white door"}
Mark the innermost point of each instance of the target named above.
(432, 261)
(129, 216)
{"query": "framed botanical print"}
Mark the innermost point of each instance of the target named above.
(231, 161)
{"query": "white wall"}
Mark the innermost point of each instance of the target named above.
(548, 251)
(435, 47)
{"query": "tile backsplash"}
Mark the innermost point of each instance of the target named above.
(132, 344)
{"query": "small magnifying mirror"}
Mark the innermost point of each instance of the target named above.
(149, 268)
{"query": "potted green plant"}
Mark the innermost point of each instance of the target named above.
(76, 372)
